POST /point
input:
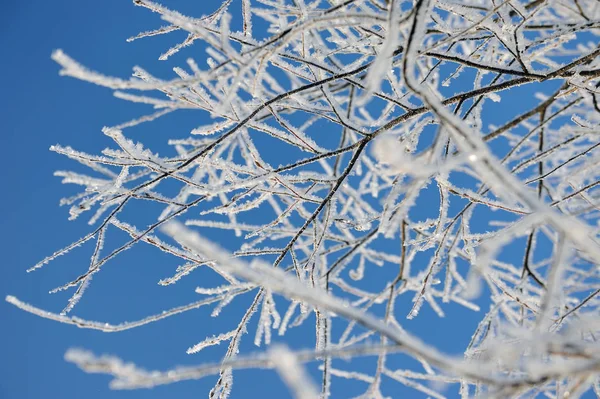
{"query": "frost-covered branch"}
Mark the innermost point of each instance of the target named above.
(371, 161)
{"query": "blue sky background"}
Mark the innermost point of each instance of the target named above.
(40, 108)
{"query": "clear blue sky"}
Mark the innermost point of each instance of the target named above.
(40, 108)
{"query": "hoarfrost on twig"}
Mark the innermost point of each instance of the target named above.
(353, 156)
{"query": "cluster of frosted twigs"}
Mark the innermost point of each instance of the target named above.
(365, 155)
